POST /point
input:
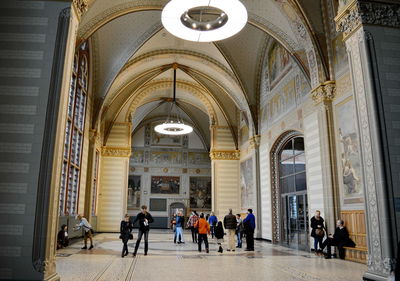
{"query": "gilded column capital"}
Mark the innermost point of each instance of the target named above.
(324, 92)
(112, 151)
(367, 12)
(255, 141)
(225, 154)
(80, 6)
(94, 135)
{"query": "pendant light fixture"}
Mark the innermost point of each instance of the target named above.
(174, 124)
(204, 20)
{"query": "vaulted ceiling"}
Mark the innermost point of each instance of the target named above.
(132, 58)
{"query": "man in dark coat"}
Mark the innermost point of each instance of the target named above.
(249, 224)
(340, 239)
(144, 218)
(230, 225)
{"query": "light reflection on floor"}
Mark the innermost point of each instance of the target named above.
(168, 261)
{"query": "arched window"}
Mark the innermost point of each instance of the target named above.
(73, 144)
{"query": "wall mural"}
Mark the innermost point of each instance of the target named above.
(165, 157)
(278, 63)
(349, 153)
(134, 186)
(199, 158)
(137, 157)
(165, 140)
(200, 192)
(247, 184)
(165, 185)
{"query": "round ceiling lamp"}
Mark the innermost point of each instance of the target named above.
(204, 20)
(174, 124)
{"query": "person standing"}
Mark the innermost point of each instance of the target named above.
(203, 229)
(144, 218)
(173, 226)
(239, 231)
(179, 228)
(230, 224)
(191, 222)
(249, 224)
(317, 232)
(125, 230)
(219, 234)
(212, 220)
(83, 223)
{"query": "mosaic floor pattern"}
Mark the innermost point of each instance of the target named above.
(168, 261)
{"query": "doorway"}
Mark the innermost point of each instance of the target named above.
(293, 194)
(174, 208)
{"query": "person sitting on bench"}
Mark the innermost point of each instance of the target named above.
(340, 239)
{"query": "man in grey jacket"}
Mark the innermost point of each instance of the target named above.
(230, 224)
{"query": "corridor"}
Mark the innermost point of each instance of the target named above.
(167, 261)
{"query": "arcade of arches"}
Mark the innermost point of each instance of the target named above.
(298, 112)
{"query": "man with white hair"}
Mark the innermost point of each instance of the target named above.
(83, 223)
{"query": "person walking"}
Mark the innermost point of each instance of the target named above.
(203, 229)
(83, 223)
(219, 234)
(179, 228)
(230, 224)
(173, 226)
(239, 231)
(249, 224)
(317, 232)
(125, 230)
(144, 218)
(212, 220)
(190, 224)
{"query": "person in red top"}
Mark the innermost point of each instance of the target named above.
(203, 229)
(191, 224)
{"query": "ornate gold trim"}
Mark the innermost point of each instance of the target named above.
(80, 7)
(112, 151)
(225, 154)
(358, 13)
(324, 92)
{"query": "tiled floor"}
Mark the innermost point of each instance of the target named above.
(167, 261)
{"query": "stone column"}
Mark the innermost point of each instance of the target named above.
(372, 35)
(255, 146)
(322, 97)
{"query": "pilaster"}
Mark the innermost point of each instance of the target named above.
(369, 27)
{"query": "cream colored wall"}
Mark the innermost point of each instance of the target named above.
(265, 187)
(113, 183)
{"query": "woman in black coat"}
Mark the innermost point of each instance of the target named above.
(317, 232)
(62, 237)
(219, 234)
(125, 230)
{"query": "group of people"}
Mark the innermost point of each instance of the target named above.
(63, 237)
(340, 238)
(201, 226)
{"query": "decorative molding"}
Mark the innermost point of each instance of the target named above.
(254, 141)
(225, 155)
(80, 6)
(324, 92)
(370, 12)
(112, 151)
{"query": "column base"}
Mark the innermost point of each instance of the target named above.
(369, 276)
(53, 277)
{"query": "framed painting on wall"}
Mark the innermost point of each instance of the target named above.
(349, 154)
(165, 185)
(200, 192)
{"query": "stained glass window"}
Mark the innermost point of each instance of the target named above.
(73, 143)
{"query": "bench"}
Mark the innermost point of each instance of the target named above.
(356, 254)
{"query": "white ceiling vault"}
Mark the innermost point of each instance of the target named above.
(132, 58)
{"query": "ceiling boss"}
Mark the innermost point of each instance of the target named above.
(204, 20)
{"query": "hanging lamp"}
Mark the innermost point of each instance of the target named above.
(204, 20)
(174, 124)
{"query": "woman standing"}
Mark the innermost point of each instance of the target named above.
(193, 219)
(144, 218)
(317, 232)
(219, 234)
(125, 234)
(239, 230)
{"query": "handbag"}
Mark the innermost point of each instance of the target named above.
(319, 232)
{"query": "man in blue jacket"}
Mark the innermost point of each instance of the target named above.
(249, 225)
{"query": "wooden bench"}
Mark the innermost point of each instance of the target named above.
(354, 220)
